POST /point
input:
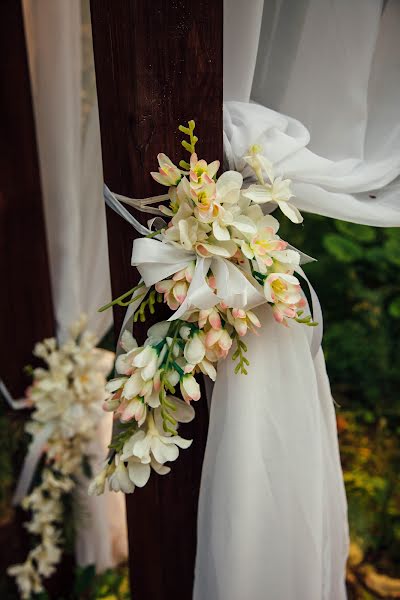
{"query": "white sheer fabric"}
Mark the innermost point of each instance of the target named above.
(272, 514)
(71, 172)
(272, 511)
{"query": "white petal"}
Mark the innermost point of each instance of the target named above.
(184, 412)
(114, 384)
(153, 400)
(133, 385)
(160, 469)
(194, 350)
(144, 357)
(159, 331)
(128, 342)
(245, 225)
(247, 251)
(258, 193)
(291, 212)
(178, 441)
(220, 232)
(138, 472)
(164, 452)
(228, 186)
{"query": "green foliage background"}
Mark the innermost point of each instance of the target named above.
(357, 278)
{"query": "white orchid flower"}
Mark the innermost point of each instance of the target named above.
(278, 191)
(145, 445)
(208, 369)
(195, 349)
(187, 233)
(284, 261)
(264, 244)
(119, 480)
(190, 388)
(146, 360)
(228, 187)
(231, 217)
(168, 174)
(243, 320)
(218, 343)
(134, 409)
(282, 288)
(199, 168)
(259, 163)
(214, 247)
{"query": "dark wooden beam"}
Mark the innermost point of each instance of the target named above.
(26, 311)
(158, 64)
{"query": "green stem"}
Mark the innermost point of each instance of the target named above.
(121, 298)
(154, 233)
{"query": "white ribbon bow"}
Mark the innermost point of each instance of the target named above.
(156, 261)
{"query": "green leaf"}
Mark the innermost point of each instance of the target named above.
(342, 249)
(394, 308)
(392, 249)
(361, 233)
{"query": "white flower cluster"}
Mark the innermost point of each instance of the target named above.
(67, 398)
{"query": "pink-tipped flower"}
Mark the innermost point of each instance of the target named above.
(190, 389)
(282, 288)
(134, 409)
(186, 273)
(282, 312)
(195, 349)
(218, 343)
(168, 174)
(199, 168)
(204, 195)
(211, 316)
(243, 320)
(174, 291)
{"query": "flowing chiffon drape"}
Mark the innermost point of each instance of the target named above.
(272, 521)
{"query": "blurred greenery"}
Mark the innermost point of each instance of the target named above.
(357, 278)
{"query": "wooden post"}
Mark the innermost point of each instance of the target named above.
(26, 312)
(158, 64)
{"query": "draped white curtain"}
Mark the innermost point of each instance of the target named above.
(70, 159)
(272, 511)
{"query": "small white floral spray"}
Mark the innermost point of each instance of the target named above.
(66, 398)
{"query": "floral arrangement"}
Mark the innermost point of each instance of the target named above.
(66, 398)
(216, 259)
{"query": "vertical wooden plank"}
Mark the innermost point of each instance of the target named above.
(26, 312)
(158, 64)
